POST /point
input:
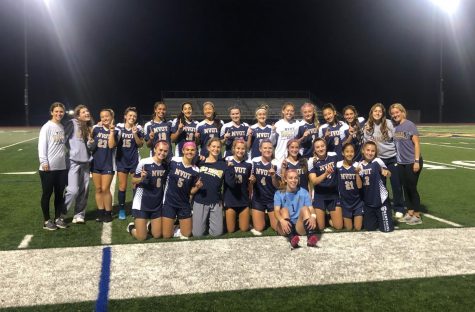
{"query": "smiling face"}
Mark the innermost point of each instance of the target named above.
(208, 111)
(235, 115)
(160, 111)
(266, 150)
(307, 113)
(292, 179)
(239, 150)
(161, 151)
(187, 111)
(261, 116)
(106, 118)
(293, 149)
(189, 152)
(320, 148)
(397, 115)
(131, 118)
(288, 112)
(349, 116)
(57, 114)
(349, 153)
(329, 115)
(214, 148)
(369, 152)
(84, 115)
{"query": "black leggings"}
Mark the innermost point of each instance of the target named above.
(56, 181)
(409, 180)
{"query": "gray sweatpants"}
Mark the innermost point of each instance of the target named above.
(203, 213)
(78, 188)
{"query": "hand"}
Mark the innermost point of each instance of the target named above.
(180, 125)
(227, 135)
(197, 135)
(311, 223)
(45, 167)
(285, 225)
(151, 135)
(112, 127)
(230, 164)
(306, 133)
(202, 158)
(351, 130)
(134, 129)
(199, 183)
(273, 127)
(327, 133)
(358, 169)
(272, 171)
(143, 174)
(249, 131)
(284, 164)
(385, 172)
(329, 170)
(252, 179)
(416, 167)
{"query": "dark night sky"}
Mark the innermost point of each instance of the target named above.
(115, 53)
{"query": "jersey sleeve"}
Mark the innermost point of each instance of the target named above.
(278, 199)
(307, 201)
(43, 145)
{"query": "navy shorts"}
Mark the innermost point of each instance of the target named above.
(103, 172)
(378, 218)
(325, 204)
(350, 212)
(263, 207)
(126, 169)
(140, 214)
(237, 209)
(173, 212)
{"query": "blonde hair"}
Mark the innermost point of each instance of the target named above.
(284, 106)
(315, 114)
(400, 107)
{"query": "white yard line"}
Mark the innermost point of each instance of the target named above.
(106, 236)
(25, 172)
(3, 147)
(451, 165)
(451, 146)
(442, 220)
(25, 242)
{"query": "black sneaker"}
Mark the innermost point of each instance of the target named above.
(61, 223)
(130, 227)
(107, 217)
(49, 225)
(100, 216)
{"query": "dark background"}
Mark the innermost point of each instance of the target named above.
(115, 53)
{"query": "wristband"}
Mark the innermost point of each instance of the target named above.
(416, 160)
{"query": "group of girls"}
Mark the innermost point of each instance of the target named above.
(296, 176)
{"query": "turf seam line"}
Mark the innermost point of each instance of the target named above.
(25, 242)
(3, 147)
(442, 220)
(462, 147)
(106, 236)
(103, 295)
(445, 164)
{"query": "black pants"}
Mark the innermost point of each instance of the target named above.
(409, 180)
(396, 187)
(56, 181)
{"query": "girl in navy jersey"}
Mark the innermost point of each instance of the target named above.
(409, 160)
(308, 130)
(236, 190)
(264, 182)
(207, 203)
(150, 178)
(296, 162)
(183, 128)
(103, 143)
(127, 156)
(354, 133)
(233, 130)
(158, 129)
(293, 211)
(325, 192)
(183, 182)
(377, 212)
(333, 131)
(53, 168)
(208, 128)
(284, 130)
(349, 187)
(258, 132)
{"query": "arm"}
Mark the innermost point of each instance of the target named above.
(179, 129)
(319, 179)
(112, 134)
(249, 138)
(196, 187)
(417, 153)
(137, 137)
(43, 149)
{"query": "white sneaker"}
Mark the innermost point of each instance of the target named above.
(398, 215)
(255, 232)
(177, 232)
(78, 220)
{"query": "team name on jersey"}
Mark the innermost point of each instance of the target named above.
(288, 133)
(182, 174)
(212, 171)
(401, 135)
(347, 176)
(312, 130)
(366, 171)
(261, 171)
(160, 129)
(210, 130)
(335, 133)
(239, 133)
(158, 173)
(189, 129)
(101, 135)
(239, 169)
(127, 135)
(326, 166)
(58, 137)
(262, 135)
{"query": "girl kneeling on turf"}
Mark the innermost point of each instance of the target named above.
(150, 178)
(349, 187)
(293, 210)
(322, 176)
(377, 212)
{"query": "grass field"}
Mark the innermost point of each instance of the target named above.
(447, 193)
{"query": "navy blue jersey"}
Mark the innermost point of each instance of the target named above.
(181, 179)
(375, 193)
(349, 192)
(149, 193)
(162, 131)
(187, 135)
(302, 169)
(236, 132)
(258, 134)
(127, 155)
(335, 138)
(264, 190)
(306, 145)
(236, 192)
(212, 175)
(207, 131)
(357, 139)
(328, 188)
(103, 157)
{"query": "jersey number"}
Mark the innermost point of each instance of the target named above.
(102, 143)
(263, 181)
(180, 182)
(366, 180)
(349, 185)
(127, 143)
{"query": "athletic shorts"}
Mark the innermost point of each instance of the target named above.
(126, 169)
(353, 211)
(173, 212)
(146, 214)
(263, 207)
(325, 204)
(103, 172)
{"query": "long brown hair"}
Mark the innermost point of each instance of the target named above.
(369, 129)
(84, 126)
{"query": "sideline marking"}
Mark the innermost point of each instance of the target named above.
(452, 165)
(25, 172)
(25, 241)
(442, 220)
(3, 147)
(103, 296)
(462, 147)
(106, 237)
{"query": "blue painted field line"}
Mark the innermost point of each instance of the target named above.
(103, 296)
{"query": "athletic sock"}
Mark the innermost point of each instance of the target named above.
(308, 231)
(121, 196)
